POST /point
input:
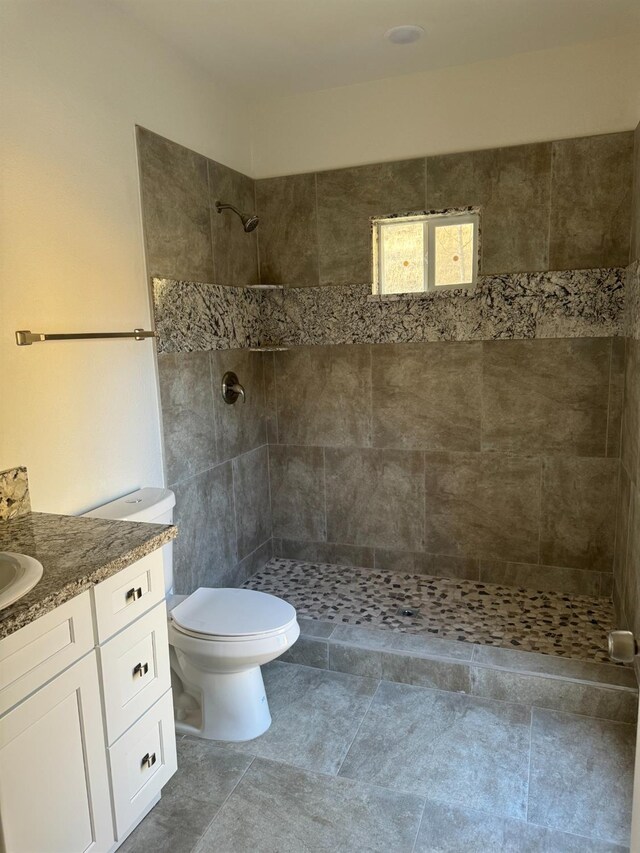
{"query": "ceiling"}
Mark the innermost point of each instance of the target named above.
(274, 48)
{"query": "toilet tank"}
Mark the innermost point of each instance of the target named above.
(151, 505)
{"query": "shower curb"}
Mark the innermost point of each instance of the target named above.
(602, 690)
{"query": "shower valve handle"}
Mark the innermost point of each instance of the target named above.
(232, 389)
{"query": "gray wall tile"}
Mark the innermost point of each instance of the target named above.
(427, 396)
(633, 557)
(630, 453)
(616, 396)
(532, 576)
(251, 494)
(635, 213)
(591, 201)
(482, 505)
(235, 253)
(546, 396)
(308, 651)
(297, 492)
(578, 512)
(206, 546)
(566, 668)
(426, 672)
(288, 230)
(418, 562)
(347, 198)
(344, 554)
(375, 497)
(340, 554)
(512, 186)
(271, 414)
(187, 414)
(355, 661)
(251, 564)
(175, 209)
(324, 395)
(242, 426)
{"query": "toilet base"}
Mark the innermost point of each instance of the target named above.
(232, 706)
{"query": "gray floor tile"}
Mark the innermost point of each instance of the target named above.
(453, 829)
(206, 775)
(581, 775)
(446, 746)
(281, 809)
(315, 714)
(154, 834)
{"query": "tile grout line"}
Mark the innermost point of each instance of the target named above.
(348, 749)
(606, 432)
(224, 802)
(529, 766)
(324, 487)
(540, 479)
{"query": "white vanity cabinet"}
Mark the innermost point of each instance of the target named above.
(86, 717)
(54, 786)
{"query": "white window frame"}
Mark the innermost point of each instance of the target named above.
(430, 221)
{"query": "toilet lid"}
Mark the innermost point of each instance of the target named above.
(232, 613)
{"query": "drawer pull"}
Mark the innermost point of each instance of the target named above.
(149, 760)
(134, 594)
(140, 669)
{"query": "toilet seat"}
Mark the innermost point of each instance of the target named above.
(232, 614)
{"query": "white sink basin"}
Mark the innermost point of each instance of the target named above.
(18, 574)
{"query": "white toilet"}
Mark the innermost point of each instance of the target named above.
(218, 638)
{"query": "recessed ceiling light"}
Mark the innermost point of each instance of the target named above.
(405, 34)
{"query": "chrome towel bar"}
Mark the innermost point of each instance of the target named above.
(25, 337)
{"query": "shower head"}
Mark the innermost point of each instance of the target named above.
(249, 221)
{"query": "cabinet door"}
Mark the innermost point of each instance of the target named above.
(54, 791)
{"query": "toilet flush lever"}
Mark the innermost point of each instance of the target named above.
(232, 389)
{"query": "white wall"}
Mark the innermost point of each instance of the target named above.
(573, 91)
(76, 77)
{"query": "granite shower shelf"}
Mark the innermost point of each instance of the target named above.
(269, 348)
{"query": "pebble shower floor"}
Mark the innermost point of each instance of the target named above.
(574, 626)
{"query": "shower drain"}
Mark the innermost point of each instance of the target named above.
(408, 611)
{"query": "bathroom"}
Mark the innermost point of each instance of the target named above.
(441, 490)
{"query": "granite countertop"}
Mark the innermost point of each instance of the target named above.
(76, 553)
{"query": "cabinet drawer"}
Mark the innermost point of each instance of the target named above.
(135, 670)
(128, 594)
(39, 651)
(141, 763)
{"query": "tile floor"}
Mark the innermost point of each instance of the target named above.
(353, 764)
(488, 614)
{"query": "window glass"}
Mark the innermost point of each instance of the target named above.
(403, 250)
(425, 251)
(454, 255)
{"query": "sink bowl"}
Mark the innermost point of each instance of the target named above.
(18, 574)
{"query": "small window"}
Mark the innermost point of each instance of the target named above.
(425, 252)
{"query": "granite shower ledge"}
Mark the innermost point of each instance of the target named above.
(192, 316)
(76, 553)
